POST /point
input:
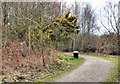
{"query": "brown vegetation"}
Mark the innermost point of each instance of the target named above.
(18, 63)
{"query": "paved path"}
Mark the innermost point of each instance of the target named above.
(93, 70)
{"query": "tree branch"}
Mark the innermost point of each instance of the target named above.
(29, 20)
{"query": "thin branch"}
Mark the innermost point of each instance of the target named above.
(29, 20)
(103, 24)
(105, 27)
(113, 13)
(112, 26)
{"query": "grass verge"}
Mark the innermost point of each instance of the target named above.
(114, 76)
(69, 63)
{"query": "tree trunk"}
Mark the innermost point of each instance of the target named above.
(29, 38)
(118, 37)
(5, 13)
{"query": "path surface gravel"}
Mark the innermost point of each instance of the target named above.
(93, 70)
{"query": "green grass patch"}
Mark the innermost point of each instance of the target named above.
(69, 63)
(114, 76)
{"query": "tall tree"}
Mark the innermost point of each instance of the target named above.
(112, 21)
(87, 25)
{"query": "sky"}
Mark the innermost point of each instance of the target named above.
(97, 5)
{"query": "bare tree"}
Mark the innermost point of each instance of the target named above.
(112, 21)
(118, 27)
(87, 25)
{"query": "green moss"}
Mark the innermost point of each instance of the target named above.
(67, 14)
(72, 18)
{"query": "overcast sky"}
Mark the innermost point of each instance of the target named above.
(97, 5)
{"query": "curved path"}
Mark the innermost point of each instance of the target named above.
(93, 70)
